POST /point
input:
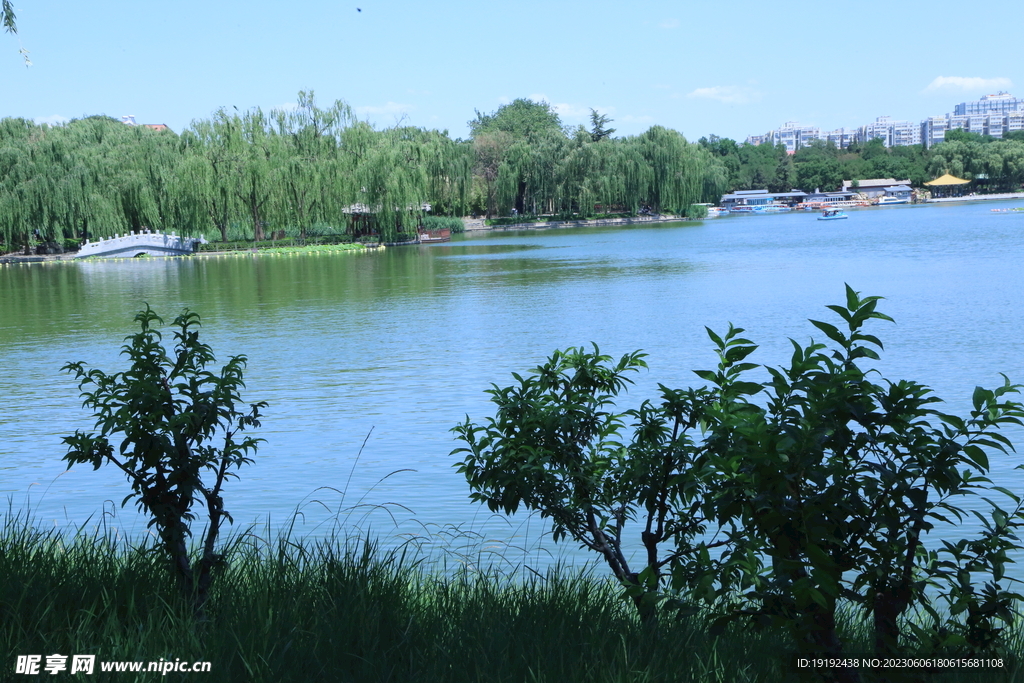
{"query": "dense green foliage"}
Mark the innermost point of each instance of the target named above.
(995, 165)
(316, 171)
(444, 222)
(235, 176)
(175, 429)
(776, 502)
(527, 162)
(312, 171)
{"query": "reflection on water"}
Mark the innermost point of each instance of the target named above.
(404, 341)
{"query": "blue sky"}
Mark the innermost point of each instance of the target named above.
(732, 69)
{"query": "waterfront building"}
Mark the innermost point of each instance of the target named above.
(873, 188)
(947, 186)
(761, 201)
(823, 200)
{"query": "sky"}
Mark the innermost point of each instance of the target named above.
(729, 69)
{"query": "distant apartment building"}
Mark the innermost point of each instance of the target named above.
(793, 136)
(933, 130)
(1013, 122)
(842, 137)
(993, 115)
(891, 133)
(1000, 103)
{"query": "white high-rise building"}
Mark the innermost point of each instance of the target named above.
(1000, 103)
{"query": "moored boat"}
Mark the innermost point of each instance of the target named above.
(430, 236)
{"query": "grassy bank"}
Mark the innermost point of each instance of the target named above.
(318, 610)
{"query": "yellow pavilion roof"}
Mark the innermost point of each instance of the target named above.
(948, 180)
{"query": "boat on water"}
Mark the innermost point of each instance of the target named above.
(432, 236)
(760, 208)
(832, 215)
(1015, 209)
(889, 199)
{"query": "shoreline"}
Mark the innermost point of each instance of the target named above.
(978, 198)
(478, 225)
(270, 251)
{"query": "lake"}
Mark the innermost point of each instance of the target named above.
(395, 347)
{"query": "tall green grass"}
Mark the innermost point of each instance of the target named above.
(343, 610)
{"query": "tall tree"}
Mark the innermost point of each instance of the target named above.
(598, 131)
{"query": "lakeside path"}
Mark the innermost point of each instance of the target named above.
(978, 197)
(479, 225)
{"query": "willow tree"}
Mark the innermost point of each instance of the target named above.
(392, 181)
(93, 177)
(677, 169)
(309, 172)
(253, 152)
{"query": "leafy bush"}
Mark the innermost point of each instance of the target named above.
(777, 501)
(697, 211)
(158, 423)
(455, 225)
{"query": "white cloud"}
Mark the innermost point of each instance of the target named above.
(287, 106)
(669, 23)
(727, 94)
(565, 110)
(968, 83)
(389, 108)
(571, 111)
(54, 120)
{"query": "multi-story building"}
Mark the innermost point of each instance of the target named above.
(905, 133)
(933, 130)
(993, 115)
(891, 133)
(842, 137)
(1013, 122)
(1001, 103)
(793, 136)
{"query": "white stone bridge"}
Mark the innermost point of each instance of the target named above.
(137, 244)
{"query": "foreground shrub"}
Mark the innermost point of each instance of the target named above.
(772, 502)
(173, 428)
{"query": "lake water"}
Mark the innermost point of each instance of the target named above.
(404, 342)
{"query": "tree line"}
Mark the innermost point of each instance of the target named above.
(312, 170)
(996, 165)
